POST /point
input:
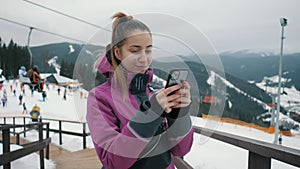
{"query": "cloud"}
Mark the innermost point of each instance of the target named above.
(231, 24)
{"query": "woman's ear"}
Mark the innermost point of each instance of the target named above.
(117, 53)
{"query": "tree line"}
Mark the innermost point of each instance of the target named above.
(12, 57)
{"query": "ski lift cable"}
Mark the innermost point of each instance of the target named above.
(35, 28)
(66, 15)
(84, 21)
(41, 30)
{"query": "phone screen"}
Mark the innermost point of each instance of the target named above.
(176, 77)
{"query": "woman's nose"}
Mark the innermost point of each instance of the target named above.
(142, 57)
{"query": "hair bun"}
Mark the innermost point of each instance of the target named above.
(121, 17)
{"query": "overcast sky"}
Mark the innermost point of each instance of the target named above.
(227, 24)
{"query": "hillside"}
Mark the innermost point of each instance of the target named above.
(242, 100)
(252, 66)
(67, 54)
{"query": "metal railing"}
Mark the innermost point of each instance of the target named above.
(260, 153)
(58, 130)
(8, 156)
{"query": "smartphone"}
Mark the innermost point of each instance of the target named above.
(177, 76)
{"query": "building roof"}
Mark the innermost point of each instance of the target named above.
(60, 80)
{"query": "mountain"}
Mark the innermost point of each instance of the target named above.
(262, 70)
(67, 53)
(242, 100)
(255, 66)
(74, 61)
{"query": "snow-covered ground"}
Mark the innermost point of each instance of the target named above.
(206, 153)
(291, 95)
(31, 161)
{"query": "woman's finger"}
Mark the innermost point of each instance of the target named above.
(171, 89)
(186, 85)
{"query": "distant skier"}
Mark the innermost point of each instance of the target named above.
(81, 94)
(65, 94)
(4, 93)
(58, 90)
(44, 95)
(22, 71)
(24, 109)
(47, 85)
(20, 99)
(3, 101)
(280, 140)
(23, 90)
(35, 113)
(36, 79)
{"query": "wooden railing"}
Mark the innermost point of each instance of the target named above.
(260, 153)
(58, 130)
(8, 156)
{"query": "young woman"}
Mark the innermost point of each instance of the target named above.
(130, 126)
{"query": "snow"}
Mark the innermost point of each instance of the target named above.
(2, 78)
(229, 104)
(53, 62)
(214, 75)
(206, 153)
(63, 80)
(88, 52)
(31, 161)
(71, 49)
(293, 95)
(72, 109)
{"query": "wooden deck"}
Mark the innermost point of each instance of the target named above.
(86, 159)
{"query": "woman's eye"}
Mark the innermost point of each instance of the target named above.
(148, 51)
(136, 51)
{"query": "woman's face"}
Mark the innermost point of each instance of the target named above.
(136, 52)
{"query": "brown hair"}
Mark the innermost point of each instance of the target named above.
(122, 26)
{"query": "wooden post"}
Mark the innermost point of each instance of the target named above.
(14, 123)
(6, 145)
(60, 133)
(24, 122)
(84, 135)
(257, 161)
(42, 162)
(47, 136)
(18, 139)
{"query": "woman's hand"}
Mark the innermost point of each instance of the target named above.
(181, 97)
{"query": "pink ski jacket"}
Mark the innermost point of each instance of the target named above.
(135, 132)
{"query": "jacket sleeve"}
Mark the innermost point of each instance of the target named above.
(116, 147)
(180, 131)
(184, 145)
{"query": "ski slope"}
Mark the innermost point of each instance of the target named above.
(206, 153)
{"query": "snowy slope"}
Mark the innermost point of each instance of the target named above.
(211, 81)
(32, 161)
(292, 94)
(206, 153)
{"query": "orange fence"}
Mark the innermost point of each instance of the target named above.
(270, 129)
